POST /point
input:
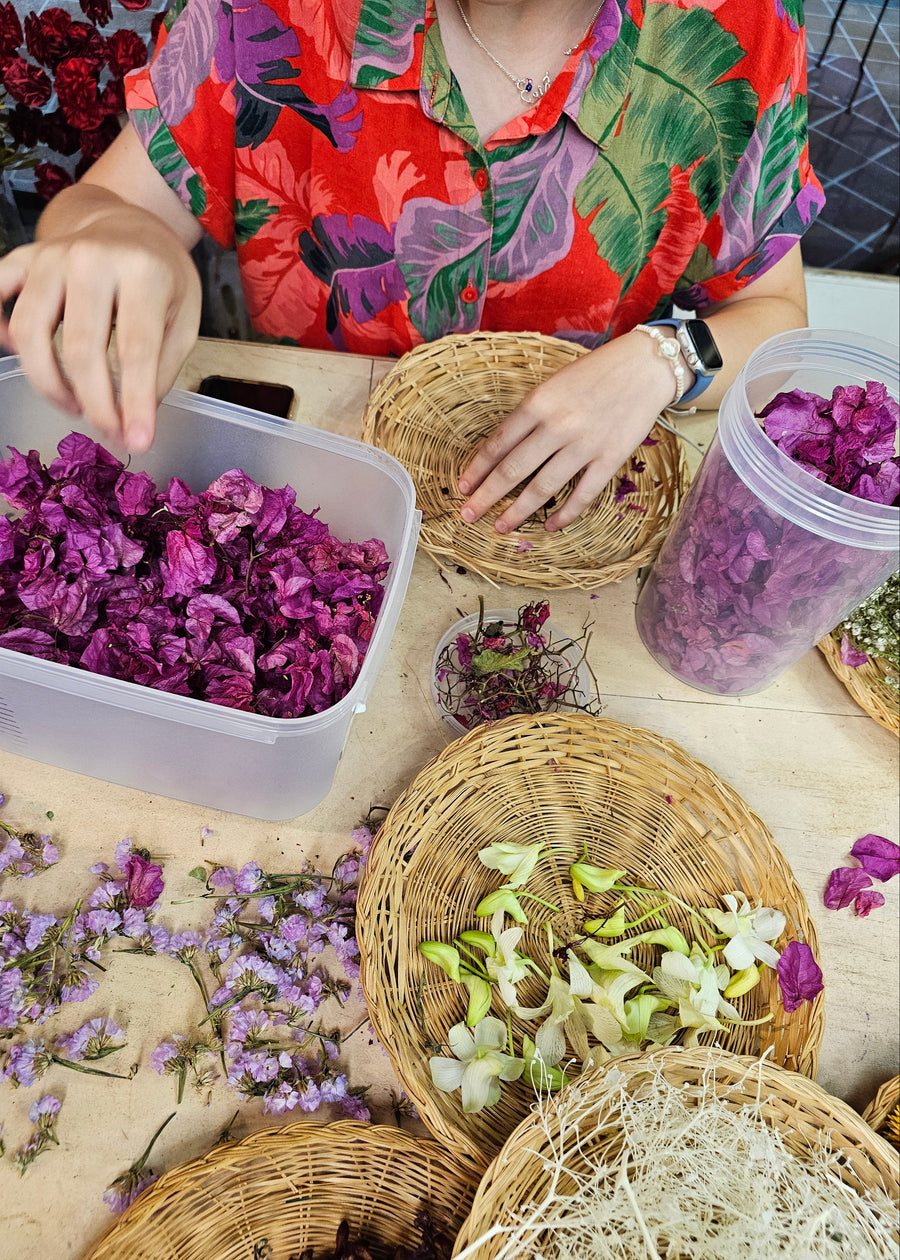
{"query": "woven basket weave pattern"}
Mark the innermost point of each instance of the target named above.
(431, 411)
(866, 685)
(284, 1189)
(886, 1099)
(639, 802)
(804, 1115)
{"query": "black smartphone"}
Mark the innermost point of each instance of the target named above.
(275, 400)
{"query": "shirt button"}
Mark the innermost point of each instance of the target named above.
(469, 293)
(481, 180)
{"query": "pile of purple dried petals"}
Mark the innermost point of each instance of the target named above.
(234, 595)
(852, 885)
(848, 442)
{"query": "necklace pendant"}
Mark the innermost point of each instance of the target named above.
(529, 91)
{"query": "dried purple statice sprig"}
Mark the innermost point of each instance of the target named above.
(24, 853)
(262, 950)
(48, 960)
(128, 1185)
(42, 1114)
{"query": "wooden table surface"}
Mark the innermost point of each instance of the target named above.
(805, 758)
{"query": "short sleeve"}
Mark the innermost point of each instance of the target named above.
(773, 196)
(182, 107)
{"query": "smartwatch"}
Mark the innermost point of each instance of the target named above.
(700, 352)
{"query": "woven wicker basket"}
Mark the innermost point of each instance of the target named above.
(882, 1107)
(803, 1113)
(284, 1189)
(638, 801)
(433, 408)
(866, 684)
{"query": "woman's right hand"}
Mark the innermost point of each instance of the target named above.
(100, 261)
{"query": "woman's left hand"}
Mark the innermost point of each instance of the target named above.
(587, 418)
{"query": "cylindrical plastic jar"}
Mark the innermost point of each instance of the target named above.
(763, 558)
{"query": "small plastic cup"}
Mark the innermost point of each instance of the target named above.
(763, 558)
(574, 672)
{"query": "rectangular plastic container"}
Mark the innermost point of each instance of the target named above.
(268, 768)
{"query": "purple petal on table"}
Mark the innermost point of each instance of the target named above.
(877, 856)
(850, 655)
(869, 899)
(844, 885)
(799, 975)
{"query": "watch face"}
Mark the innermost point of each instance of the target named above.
(707, 350)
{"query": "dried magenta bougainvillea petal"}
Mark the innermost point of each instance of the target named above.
(869, 899)
(234, 595)
(878, 857)
(799, 975)
(844, 885)
(847, 441)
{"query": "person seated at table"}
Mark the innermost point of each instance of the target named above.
(390, 173)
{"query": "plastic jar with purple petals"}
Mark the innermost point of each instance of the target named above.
(764, 559)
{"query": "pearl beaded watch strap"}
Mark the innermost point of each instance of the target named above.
(669, 349)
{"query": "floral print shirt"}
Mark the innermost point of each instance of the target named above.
(329, 142)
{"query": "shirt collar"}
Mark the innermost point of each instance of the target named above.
(388, 56)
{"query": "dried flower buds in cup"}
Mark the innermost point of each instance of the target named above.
(498, 663)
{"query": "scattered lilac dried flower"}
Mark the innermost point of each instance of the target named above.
(867, 901)
(799, 975)
(878, 856)
(244, 600)
(262, 948)
(42, 1115)
(851, 656)
(129, 1184)
(23, 853)
(844, 885)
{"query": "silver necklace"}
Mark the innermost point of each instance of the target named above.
(529, 89)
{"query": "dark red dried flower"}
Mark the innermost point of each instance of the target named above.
(27, 84)
(93, 143)
(97, 11)
(10, 30)
(58, 135)
(125, 50)
(52, 37)
(50, 179)
(26, 126)
(78, 93)
(135, 6)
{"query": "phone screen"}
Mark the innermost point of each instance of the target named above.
(275, 400)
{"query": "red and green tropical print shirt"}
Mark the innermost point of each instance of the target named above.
(329, 143)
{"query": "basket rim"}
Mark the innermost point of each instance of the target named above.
(299, 1137)
(865, 684)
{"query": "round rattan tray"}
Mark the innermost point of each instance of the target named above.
(803, 1113)
(433, 408)
(883, 1106)
(281, 1190)
(638, 801)
(866, 684)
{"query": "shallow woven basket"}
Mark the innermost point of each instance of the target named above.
(281, 1190)
(866, 684)
(431, 411)
(886, 1101)
(802, 1112)
(638, 801)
